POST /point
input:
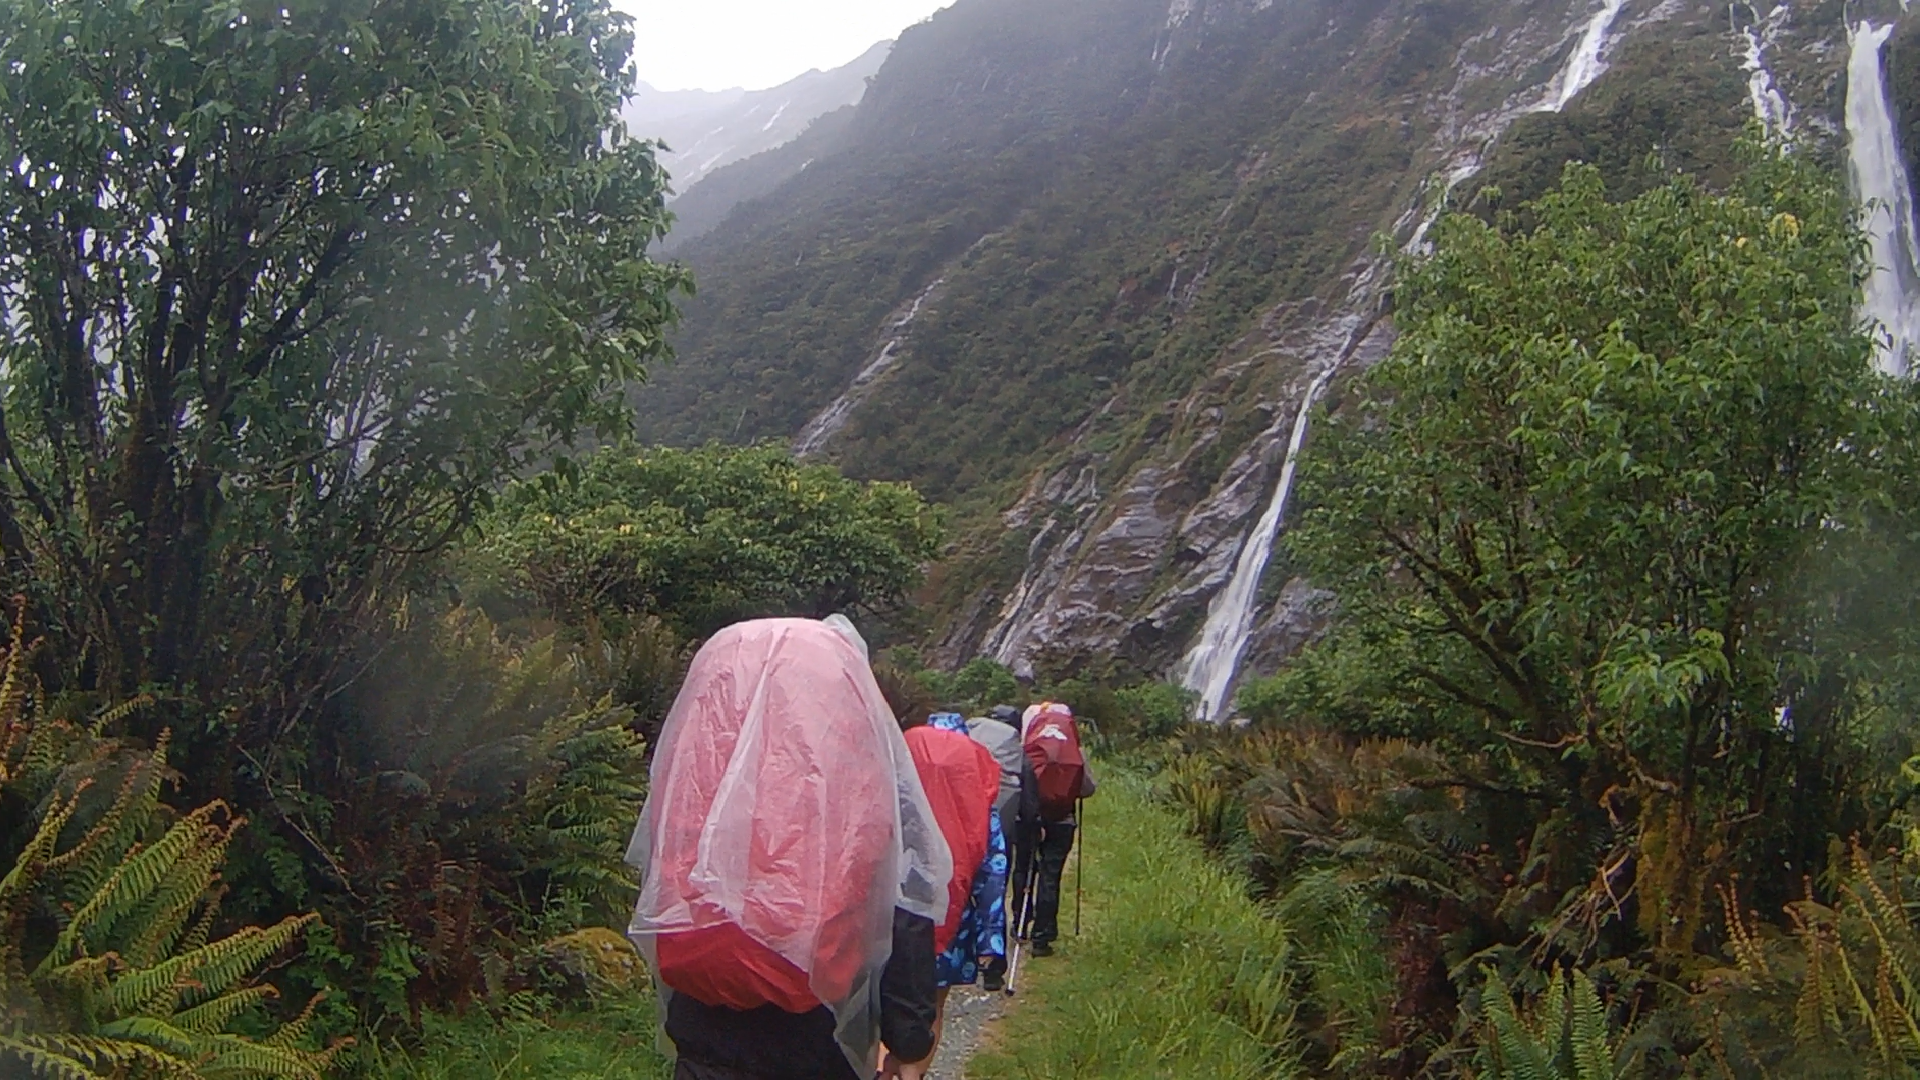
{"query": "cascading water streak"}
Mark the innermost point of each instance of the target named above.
(1770, 106)
(1880, 181)
(1586, 63)
(828, 421)
(1215, 658)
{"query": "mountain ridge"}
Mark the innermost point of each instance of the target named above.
(704, 130)
(1152, 236)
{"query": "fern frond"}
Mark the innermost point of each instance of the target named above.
(1740, 937)
(109, 717)
(1592, 1051)
(43, 1062)
(231, 1057)
(14, 683)
(217, 967)
(1550, 1019)
(88, 978)
(135, 880)
(294, 1031)
(154, 1032)
(115, 1057)
(90, 863)
(163, 919)
(211, 1017)
(21, 883)
(1518, 1054)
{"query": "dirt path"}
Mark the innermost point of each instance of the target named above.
(969, 1011)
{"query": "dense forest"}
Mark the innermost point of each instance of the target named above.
(333, 659)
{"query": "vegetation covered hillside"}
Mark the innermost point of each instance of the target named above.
(1085, 260)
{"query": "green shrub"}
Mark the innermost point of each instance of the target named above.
(494, 785)
(109, 961)
(701, 538)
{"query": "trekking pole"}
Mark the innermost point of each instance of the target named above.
(1079, 860)
(1023, 922)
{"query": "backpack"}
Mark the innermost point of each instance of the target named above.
(1052, 744)
(1002, 740)
(961, 779)
(755, 891)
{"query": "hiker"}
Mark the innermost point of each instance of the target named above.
(1052, 745)
(1018, 802)
(793, 872)
(962, 780)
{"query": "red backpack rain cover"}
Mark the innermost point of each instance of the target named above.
(1052, 744)
(961, 779)
(776, 823)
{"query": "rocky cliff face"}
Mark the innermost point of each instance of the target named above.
(1151, 241)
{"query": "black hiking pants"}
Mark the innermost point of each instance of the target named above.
(1055, 843)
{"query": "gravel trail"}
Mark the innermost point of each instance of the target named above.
(969, 1010)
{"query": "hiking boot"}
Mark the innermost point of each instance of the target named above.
(1043, 948)
(992, 982)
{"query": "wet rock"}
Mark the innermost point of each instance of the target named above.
(1301, 615)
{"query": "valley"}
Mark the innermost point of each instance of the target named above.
(1128, 268)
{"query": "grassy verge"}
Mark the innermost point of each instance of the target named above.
(1175, 971)
(613, 1040)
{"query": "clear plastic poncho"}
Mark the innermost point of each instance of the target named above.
(784, 823)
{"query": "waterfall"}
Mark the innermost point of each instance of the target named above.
(1586, 63)
(828, 421)
(1211, 664)
(1769, 104)
(1880, 180)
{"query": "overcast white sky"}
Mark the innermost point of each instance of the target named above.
(716, 44)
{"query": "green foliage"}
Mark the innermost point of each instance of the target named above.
(498, 782)
(347, 265)
(1348, 982)
(1572, 519)
(977, 687)
(1104, 228)
(1157, 709)
(1566, 1035)
(705, 537)
(1670, 103)
(336, 317)
(1384, 858)
(108, 962)
(1837, 992)
(1619, 531)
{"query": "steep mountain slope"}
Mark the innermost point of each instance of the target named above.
(706, 129)
(1077, 267)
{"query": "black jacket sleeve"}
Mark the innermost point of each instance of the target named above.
(1029, 823)
(906, 989)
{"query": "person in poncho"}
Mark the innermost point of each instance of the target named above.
(962, 781)
(792, 870)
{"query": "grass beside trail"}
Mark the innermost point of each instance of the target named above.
(1175, 972)
(614, 1040)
